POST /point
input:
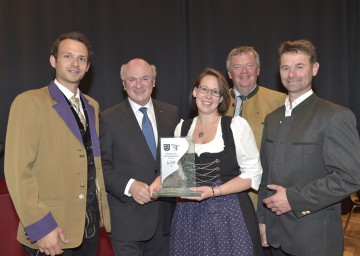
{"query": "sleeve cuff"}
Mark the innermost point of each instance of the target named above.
(41, 228)
(255, 180)
(127, 188)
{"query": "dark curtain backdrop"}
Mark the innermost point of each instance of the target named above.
(180, 37)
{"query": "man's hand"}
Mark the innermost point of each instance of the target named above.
(49, 244)
(262, 228)
(155, 186)
(140, 192)
(278, 203)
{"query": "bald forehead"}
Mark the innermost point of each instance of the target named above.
(137, 66)
(139, 62)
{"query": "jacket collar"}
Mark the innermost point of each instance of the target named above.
(252, 93)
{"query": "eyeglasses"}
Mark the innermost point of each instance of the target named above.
(205, 90)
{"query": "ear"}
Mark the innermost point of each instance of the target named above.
(221, 99)
(315, 68)
(154, 83)
(229, 74)
(88, 67)
(52, 61)
(194, 93)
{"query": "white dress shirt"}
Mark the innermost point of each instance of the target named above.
(289, 107)
(68, 94)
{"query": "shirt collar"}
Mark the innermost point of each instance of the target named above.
(289, 108)
(68, 94)
(135, 107)
(238, 93)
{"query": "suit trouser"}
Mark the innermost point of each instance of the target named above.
(158, 245)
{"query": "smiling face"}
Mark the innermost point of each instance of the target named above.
(243, 71)
(296, 73)
(71, 64)
(206, 100)
(139, 81)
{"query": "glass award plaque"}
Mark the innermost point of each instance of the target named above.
(177, 156)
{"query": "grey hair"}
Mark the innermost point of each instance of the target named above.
(242, 50)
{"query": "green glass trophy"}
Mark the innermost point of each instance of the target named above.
(177, 167)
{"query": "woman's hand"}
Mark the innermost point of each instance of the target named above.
(206, 192)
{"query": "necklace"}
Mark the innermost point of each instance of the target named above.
(201, 133)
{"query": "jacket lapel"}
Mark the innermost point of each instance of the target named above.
(160, 122)
(62, 108)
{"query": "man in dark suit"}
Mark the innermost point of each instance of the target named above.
(141, 225)
(310, 155)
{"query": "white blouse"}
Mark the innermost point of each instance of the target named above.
(247, 154)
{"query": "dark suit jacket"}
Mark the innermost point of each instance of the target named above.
(315, 155)
(125, 154)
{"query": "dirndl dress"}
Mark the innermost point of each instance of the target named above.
(215, 226)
